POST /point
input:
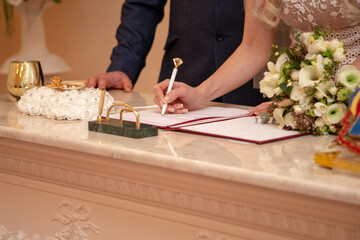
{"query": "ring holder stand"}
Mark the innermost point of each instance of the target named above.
(120, 127)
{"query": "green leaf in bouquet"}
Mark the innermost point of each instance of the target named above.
(297, 34)
(286, 68)
(288, 90)
(282, 86)
(343, 94)
(328, 54)
(286, 111)
(310, 91)
(265, 118)
(290, 55)
(295, 65)
(312, 112)
(319, 32)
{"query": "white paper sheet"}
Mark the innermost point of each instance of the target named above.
(243, 129)
(153, 116)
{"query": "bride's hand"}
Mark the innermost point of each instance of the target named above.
(261, 108)
(180, 99)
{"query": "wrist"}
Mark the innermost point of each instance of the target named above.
(201, 95)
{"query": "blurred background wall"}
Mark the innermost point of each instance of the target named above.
(82, 32)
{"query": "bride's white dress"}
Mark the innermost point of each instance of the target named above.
(308, 14)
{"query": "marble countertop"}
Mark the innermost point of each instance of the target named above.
(286, 165)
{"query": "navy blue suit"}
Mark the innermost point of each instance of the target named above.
(203, 33)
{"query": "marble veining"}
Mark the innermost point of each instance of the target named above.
(284, 165)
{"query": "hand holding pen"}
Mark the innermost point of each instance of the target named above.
(176, 97)
(177, 63)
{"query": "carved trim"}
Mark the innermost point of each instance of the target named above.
(75, 219)
(239, 213)
(207, 235)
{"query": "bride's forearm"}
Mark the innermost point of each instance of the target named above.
(247, 60)
(241, 67)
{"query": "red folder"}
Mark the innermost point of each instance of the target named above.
(230, 123)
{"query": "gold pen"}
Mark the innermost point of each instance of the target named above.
(101, 104)
(177, 63)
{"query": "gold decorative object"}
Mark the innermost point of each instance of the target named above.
(177, 62)
(119, 127)
(335, 160)
(59, 83)
(127, 109)
(55, 82)
(101, 104)
(22, 76)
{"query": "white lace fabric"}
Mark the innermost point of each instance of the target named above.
(80, 104)
(308, 14)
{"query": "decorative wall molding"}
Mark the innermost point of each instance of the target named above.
(207, 235)
(239, 212)
(75, 219)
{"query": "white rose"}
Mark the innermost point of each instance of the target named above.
(277, 91)
(320, 109)
(333, 90)
(334, 113)
(298, 109)
(349, 76)
(327, 61)
(281, 60)
(49, 113)
(305, 103)
(310, 56)
(324, 90)
(295, 75)
(334, 44)
(290, 121)
(309, 76)
(319, 123)
(277, 114)
(297, 93)
(268, 83)
(35, 110)
(318, 95)
(339, 55)
(307, 38)
(272, 68)
(318, 46)
(319, 63)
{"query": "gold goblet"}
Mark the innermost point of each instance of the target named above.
(24, 75)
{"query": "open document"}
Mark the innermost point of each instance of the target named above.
(231, 123)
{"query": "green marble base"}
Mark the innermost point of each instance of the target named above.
(127, 130)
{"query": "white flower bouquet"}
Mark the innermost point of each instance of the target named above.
(308, 91)
(80, 104)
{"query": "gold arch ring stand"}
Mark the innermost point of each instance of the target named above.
(120, 127)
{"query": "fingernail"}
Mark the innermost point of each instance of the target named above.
(181, 106)
(166, 99)
(163, 101)
(185, 110)
(171, 110)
